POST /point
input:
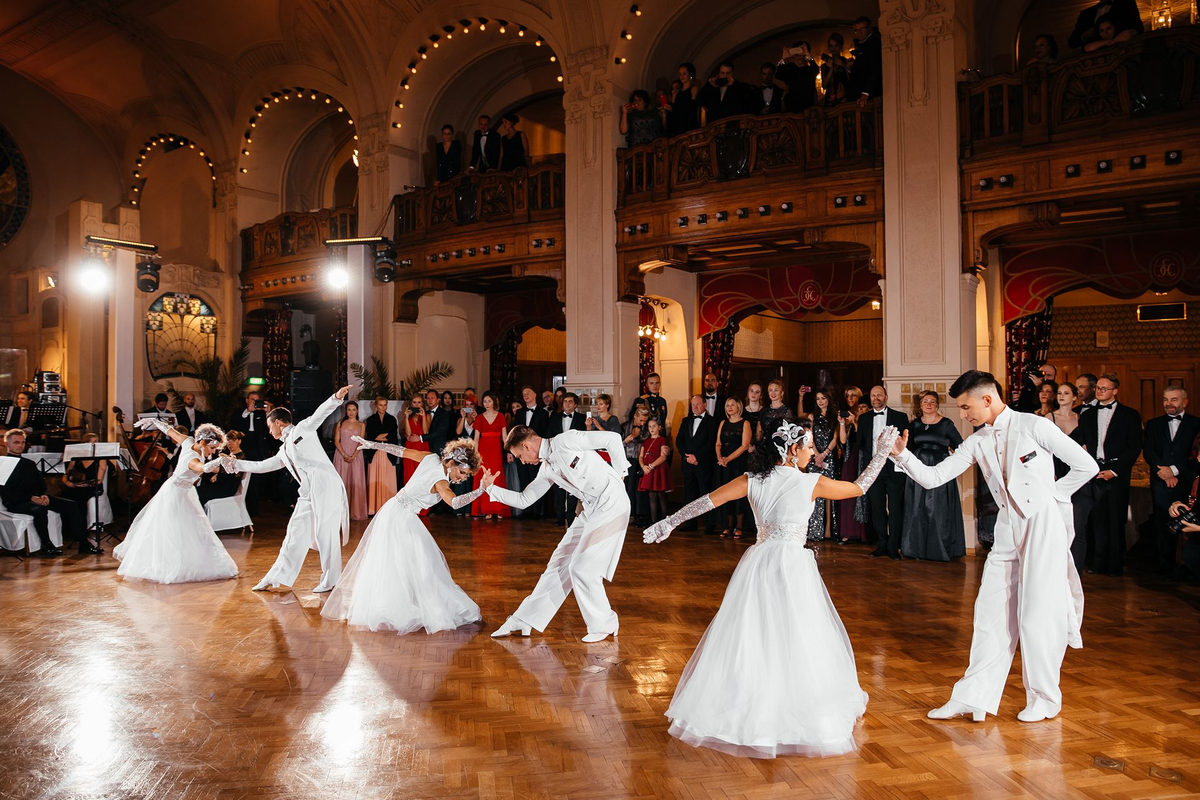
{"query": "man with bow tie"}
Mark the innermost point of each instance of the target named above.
(1085, 387)
(1112, 434)
(322, 510)
(1167, 450)
(588, 553)
(714, 401)
(885, 499)
(569, 420)
(1030, 593)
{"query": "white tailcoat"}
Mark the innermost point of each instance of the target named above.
(322, 509)
(588, 553)
(1030, 584)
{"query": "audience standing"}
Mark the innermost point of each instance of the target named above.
(734, 435)
(383, 427)
(835, 70)
(696, 442)
(449, 155)
(633, 433)
(514, 144)
(825, 462)
(726, 96)
(491, 429)
(769, 94)
(851, 515)
(1167, 450)
(683, 112)
(866, 76)
(1112, 434)
(485, 148)
(933, 522)
(569, 419)
(656, 475)
(1122, 14)
(885, 499)
(640, 124)
(348, 459)
(797, 76)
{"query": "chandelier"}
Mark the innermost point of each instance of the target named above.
(648, 327)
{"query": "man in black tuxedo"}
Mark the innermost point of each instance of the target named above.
(1167, 449)
(1113, 435)
(866, 74)
(768, 93)
(714, 399)
(885, 499)
(25, 493)
(189, 416)
(532, 415)
(251, 422)
(485, 147)
(725, 96)
(441, 422)
(696, 443)
(1085, 388)
(19, 413)
(569, 420)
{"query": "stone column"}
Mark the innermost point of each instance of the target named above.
(224, 247)
(602, 348)
(929, 332)
(360, 308)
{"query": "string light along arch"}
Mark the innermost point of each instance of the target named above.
(627, 32)
(285, 94)
(167, 142)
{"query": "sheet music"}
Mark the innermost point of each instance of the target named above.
(103, 450)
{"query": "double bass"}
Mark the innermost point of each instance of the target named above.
(150, 459)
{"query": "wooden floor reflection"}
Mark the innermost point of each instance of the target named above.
(132, 690)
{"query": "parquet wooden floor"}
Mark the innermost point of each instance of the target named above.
(128, 690)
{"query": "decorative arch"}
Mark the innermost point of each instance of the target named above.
(166, 143)
(282, 95)
(180, 333)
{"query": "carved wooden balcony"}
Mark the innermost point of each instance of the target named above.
(282, 257)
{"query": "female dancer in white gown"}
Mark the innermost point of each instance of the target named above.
(398, 579)
(171, 541)
(774, 673)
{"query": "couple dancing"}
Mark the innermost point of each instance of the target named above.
(777, 621)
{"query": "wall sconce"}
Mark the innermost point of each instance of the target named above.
(1174, 157)
(985, 184)
(487, 249)
(644, 227)
(470, 252)
(722, 216)
(1006, 181)
(550, 242)
(500, 248)
(1137, 162)
(537, 244)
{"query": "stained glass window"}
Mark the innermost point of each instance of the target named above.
(181, 333)
(14, 188)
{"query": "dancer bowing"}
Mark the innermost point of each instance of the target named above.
(1030, 591)
(321, 508)
(170, 540)
(398, 578)
(776, 622)
(588, 553)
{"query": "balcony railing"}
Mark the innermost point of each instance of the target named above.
(295, 237)
(818, 142)
(1093, 94)
(531, 194)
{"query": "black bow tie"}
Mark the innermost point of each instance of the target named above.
(1110, 405)
(880, 413)
(1175, 417)
(567, 416)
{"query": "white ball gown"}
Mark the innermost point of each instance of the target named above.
(170, 540)
(774, 673)
(398, 578)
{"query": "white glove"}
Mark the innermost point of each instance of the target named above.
(212, 466)
(152, 422)
(391, 449)
(883, 448)
(364, 444)
(659, 531)
(229, 463)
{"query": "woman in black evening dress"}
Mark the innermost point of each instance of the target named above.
(825, 442)
(734, 435)
(933, 522)
(449, 155)
(514, 146)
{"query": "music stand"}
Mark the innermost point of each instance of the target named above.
(95, 451)
(44, 418)
(5, 405)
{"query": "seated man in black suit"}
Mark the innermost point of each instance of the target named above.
(725, 96)
(696, 443)
(568, 420)
(25, 493)
(1167, 448)
(885, 499)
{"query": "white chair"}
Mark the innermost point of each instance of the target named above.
(103, 504)
(227, 513)
(18, 533)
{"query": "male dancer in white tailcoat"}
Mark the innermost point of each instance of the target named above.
(591, 547)
(1030, 587)
(322, 509)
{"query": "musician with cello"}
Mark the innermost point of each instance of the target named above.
(25, 493)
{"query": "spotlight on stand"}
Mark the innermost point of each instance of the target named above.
(385, 265)
(94, 276)
(337, 277)
(147, 275)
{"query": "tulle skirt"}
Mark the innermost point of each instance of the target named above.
(170, 541)
(774, 673)
(398, 579)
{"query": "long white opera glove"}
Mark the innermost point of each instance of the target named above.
(212, 466)
(466, 499)
(883, 447)
(150, 422)
(660, 530)
(391, 449)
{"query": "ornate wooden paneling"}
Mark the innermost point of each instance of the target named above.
(282, 257)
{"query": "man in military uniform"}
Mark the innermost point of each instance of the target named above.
(652, 400)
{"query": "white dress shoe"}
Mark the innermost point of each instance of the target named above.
(510, 626)
(321, 588)
(592, 638)
(956, 709)
(1036, 712)
(264, 586)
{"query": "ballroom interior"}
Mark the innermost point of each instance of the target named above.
(189, 184)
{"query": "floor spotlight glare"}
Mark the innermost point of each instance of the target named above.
(94, 276)
(337, 277)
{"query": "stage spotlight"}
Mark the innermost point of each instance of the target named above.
(147, 276)
(385, 265)
(337, 277)
(94, 275)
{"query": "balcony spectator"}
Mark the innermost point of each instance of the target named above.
(769, 94)
(683, 112)
(1045, 50)
(726, 96)
(835, 70)
(1123, 13)
(640, 124)
(866, 75)
(797, 76)
(1108, 34)
(485, 150)
(514, 144)
(449, 155)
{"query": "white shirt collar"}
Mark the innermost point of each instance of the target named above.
(544, 449)
(1003, 419)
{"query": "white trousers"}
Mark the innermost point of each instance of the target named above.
(312, 521)
(1025, 597)
(585, 556)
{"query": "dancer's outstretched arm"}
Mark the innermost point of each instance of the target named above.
(237, 465)
(313, 422)
(734, 490)
(524, 499)
(457, 501)
(396, 450)
(830, 489)
(944, 471)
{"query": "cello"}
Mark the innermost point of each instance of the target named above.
(151, 462)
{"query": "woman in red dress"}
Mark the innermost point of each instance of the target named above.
(415, 424)
(490, 429)
(656, 474)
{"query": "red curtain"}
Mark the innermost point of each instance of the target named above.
(718, 352)
(646, 346)
(1027, 343)
(277, 351)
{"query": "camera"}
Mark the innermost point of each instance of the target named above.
(1175, 524)
(721, 82)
